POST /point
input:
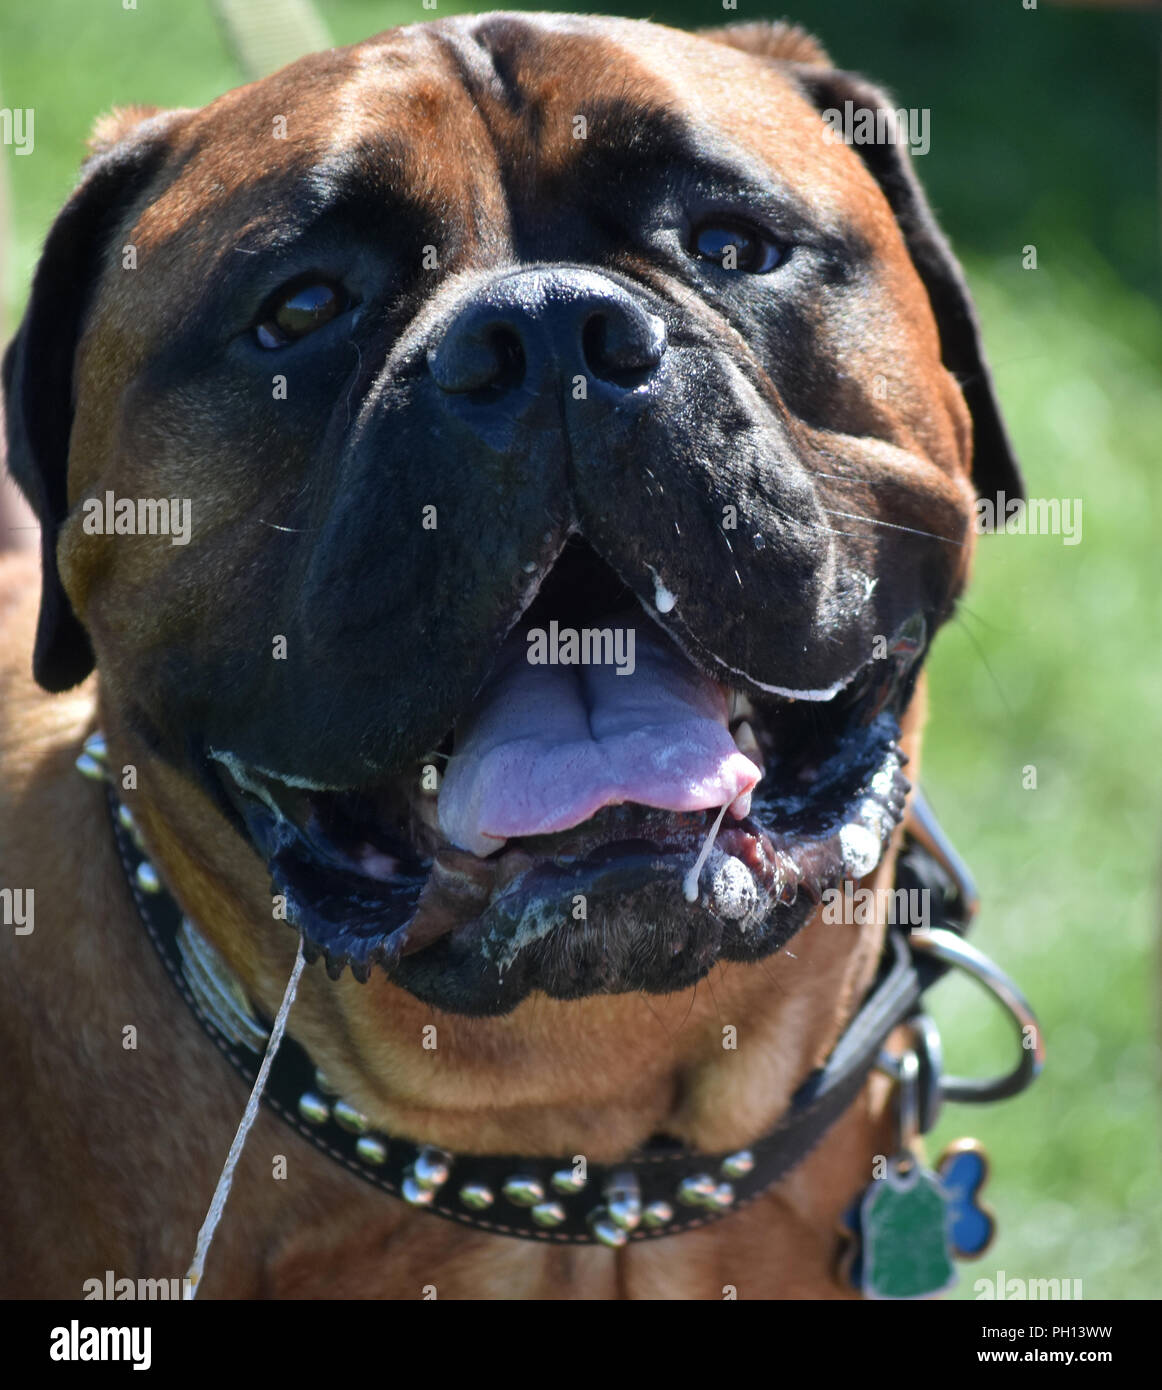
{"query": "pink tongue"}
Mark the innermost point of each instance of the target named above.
(549, 746)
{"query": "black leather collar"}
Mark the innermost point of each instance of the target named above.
(660, 1190)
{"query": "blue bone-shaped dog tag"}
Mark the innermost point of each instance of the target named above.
(964, 1170)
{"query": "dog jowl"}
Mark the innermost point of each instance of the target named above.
(489, 328)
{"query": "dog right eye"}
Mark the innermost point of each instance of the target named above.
(297, 310)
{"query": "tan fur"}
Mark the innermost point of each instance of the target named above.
(115, 125)
(780, 41)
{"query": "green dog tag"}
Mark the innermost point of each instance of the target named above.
(903, 1225)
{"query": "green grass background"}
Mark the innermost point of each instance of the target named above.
(1044, 131)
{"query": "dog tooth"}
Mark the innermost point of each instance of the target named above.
(740, 707)
(746, 742)
(427, 810)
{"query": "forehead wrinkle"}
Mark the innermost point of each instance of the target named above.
(530, 82)
(403, 117)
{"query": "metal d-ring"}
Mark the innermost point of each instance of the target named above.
(917, 1073)
(952, 949)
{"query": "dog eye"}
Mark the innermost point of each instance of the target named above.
(294, 312)
(734, 246)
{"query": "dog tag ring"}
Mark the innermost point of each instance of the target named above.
(902, 1222)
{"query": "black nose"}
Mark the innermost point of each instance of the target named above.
(532, 327)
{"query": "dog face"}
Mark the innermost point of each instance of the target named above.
(465, 342)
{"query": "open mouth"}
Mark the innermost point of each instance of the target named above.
(605, 817)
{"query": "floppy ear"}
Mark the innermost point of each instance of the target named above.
(994, 464)
(38, 366)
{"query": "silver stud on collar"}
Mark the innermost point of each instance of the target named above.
(128, 822)
(566, 1181)
(370, 1149)
(415, 1195)
(548, 1214)
(347, 1117)
(432, 1167)
(623, 1199)
(476, 1197)
(721, 1198)
(604, 1229)
(737, 1165)
(696, 1191)
(96, 747)
(314, 1108)
(657, 1214)
(523, 1191)
(92, 759)
(147, 879)
(90, 768)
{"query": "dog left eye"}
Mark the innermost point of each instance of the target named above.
(298, 310)
(734, 246)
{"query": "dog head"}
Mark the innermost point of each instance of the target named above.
(578, 443)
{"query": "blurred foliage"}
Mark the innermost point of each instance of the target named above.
(1044, 132)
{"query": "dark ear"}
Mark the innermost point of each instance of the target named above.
(994, 465)
(38, 366)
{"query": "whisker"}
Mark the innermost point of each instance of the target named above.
(894, 526)
(980, 651)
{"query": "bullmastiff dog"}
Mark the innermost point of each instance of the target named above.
(498, 485)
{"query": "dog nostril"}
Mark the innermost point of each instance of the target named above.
(509, 355)
(473, 358)
(621, 348)
(594, 336)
